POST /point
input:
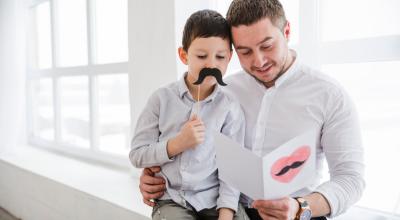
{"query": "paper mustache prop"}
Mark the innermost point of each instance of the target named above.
(210, 72)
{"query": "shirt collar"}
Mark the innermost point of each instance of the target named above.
(183, 90)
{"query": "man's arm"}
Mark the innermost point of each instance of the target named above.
(341, 143)
(287, 208)
(151, 186)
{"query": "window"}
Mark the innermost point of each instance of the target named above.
(374, 87)
(357, 43)
(78, 78)
(374, 18)
(357, 49)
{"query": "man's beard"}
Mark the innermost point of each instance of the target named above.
(281, 72)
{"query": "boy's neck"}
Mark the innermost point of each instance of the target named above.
(205, 90)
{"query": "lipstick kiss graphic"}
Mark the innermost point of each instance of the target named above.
(286, 168)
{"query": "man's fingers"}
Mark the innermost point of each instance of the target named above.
(147, 172)
(149, 203)
(148, 196)
(274, 214)
(153, 188)
(271, 204)
(155, 169)
(152, 180)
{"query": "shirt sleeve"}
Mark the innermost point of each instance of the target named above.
(146, 149)
(341, 143)
(234, 128)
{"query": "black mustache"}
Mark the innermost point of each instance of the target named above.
(210, 72)
(287, 168)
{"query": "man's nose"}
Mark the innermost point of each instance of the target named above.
(259, 60)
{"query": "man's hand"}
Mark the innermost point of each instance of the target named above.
(280, 209)
(151, 187)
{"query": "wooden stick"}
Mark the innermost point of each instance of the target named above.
(198, 100)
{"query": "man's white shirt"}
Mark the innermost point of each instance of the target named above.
(301, 100)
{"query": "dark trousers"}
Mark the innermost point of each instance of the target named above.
(253, 215)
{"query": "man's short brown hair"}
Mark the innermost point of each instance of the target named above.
(247, 12)
(205, 23)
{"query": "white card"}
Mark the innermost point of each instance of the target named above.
(290, 167)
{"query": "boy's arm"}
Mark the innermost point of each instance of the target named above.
(146, 149)
(225, 214)
(234, 128)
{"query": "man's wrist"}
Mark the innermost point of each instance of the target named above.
(296, 208)
(304, 210)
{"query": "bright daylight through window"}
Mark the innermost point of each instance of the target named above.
(78, 77)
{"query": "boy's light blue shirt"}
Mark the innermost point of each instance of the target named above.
(191, 176)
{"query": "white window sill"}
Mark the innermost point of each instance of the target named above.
(118, 187)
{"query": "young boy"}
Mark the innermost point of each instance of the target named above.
(175, 133)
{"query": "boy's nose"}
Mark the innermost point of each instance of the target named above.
(211, 63)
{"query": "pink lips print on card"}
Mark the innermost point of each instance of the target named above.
(286, 168)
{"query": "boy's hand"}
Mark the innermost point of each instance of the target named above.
(192, 133)
(225, 214)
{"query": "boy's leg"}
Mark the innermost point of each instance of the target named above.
(169, 210)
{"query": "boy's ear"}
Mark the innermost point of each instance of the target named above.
(182, 55)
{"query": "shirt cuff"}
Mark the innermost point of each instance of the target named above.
(327, 190)
(161, 154)
(228, 201)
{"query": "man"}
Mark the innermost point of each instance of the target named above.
(282, 98)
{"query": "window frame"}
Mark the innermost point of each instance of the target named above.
(55, 72)
(316, 52)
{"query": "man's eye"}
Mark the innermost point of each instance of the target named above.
(266, 47)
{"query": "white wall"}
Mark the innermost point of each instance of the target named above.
(152, 31)
(12, 75)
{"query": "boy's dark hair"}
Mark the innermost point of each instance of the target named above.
(247, 12)
(205, 23)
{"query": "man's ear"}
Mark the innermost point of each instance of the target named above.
(182, 55)
(286, 31)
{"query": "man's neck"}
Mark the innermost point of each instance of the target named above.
(288, 62)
